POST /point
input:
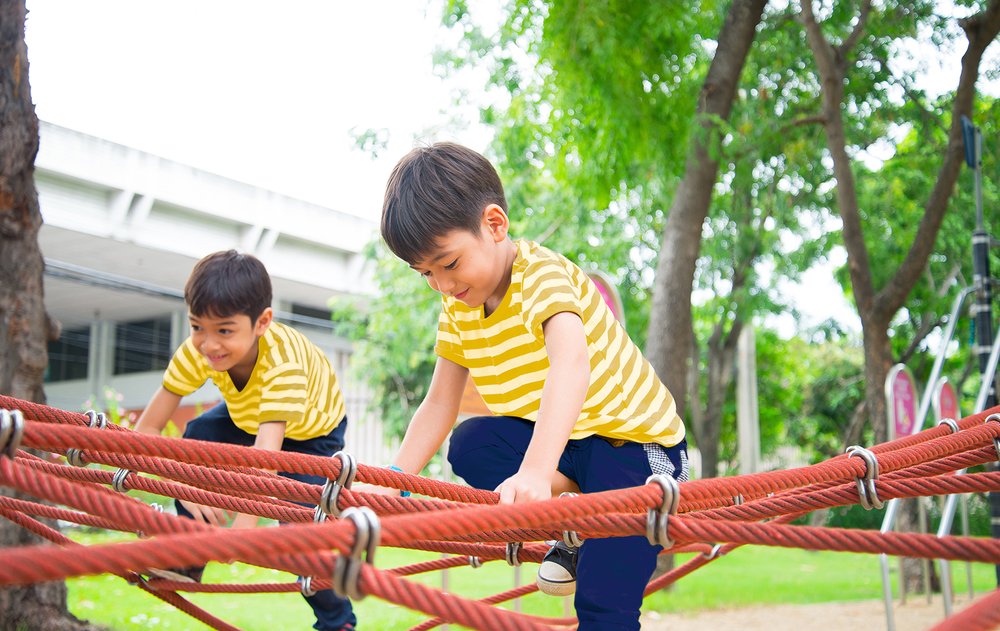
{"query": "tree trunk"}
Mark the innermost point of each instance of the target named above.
(721, 367)
(668, 347)
(23, 324)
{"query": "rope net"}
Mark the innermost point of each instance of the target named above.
(709, 517)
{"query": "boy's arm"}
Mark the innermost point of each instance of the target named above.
(270, 436)
(434, 418)
(563, 395)
(158, 411)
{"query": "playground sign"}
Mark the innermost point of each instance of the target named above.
(946, 401)
(901, 401)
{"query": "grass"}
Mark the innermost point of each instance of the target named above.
(748, 576)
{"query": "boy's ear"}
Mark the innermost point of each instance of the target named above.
(263, 322)
(495, 221)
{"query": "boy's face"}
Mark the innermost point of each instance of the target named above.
(472, 267)
(228, 342)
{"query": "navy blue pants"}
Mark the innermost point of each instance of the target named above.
(612, 573)
(332, 612)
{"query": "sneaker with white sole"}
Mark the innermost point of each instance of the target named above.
(557, 573)
(181, 575)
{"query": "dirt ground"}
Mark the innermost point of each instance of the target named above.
(915, 615)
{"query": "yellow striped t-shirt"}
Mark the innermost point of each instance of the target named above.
(292, 382)
(505, 352)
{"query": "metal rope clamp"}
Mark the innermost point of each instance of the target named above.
(331, 490)
(657, 519)
(511, 554)
(996, 440)
(569, 537)
(305, 585)
(11, 432)
(118, 480)
(950, 422)
(97, 420)
(367, 536)
(714, 553)
(475, 562)
(867, 495)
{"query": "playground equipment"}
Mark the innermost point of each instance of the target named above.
(712, 517)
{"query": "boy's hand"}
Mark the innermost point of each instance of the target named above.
(242, 520)
(525, 487)
(207, 514)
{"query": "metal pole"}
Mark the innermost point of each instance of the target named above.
(983, 309)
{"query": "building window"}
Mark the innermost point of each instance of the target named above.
(68, 356)
(142, 346)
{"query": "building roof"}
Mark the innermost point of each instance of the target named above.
(121, 212)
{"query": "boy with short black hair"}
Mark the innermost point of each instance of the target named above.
(576, 406)
(280, 392)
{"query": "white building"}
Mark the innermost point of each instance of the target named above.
(122, 230)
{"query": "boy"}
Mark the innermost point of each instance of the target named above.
(280, 392)
(577, 407)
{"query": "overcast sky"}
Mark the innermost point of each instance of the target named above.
(264, 92)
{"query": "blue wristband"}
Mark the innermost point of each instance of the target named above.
(393, 467)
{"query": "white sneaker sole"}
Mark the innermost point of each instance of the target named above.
(556, 588)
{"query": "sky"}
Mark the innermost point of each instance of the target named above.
(263, 92)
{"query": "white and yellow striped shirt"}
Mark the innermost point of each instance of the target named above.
(291, 382)
(505, 353)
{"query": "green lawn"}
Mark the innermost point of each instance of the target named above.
(748, 575)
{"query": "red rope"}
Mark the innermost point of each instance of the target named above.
(206, 473)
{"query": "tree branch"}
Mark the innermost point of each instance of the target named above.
(848, 44)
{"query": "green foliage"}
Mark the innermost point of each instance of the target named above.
(807, 392)
(393, 337)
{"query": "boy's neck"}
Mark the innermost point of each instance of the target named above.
(241, 372)
(494, 301)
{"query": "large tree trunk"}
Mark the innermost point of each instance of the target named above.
(23, 324)
(668, 347)
(876, 310)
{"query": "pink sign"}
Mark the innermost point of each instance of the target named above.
(947, 402)
(902, 401)
(607, 290)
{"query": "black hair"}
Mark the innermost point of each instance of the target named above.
(228, 283)
(434, 190)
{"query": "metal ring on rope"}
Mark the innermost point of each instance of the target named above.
(657, 519)
(738, 500)
(569, 537)
(118, 480)
(319, 516)
(868, 496)
(511, 554)
(996, 440)
(367, 535)
(714, 553)
(331, 490)
(475, 562)
(950, 422)
(97, 420)
(11, 432)
(305, 584)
